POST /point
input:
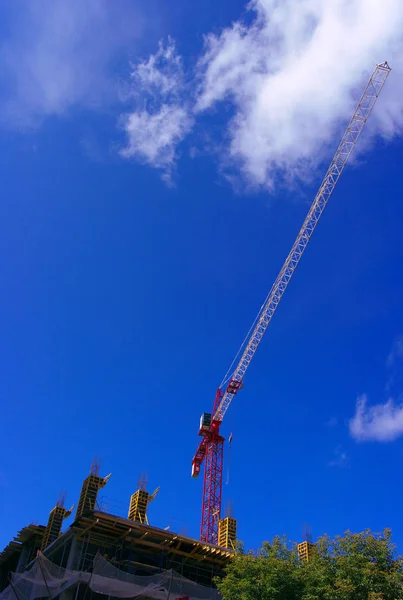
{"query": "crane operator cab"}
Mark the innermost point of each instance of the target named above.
(205, 422)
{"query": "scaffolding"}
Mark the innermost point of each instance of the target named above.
(46, 579)
(20, 551)
(135, 548)
(131, 546)
(141, 549)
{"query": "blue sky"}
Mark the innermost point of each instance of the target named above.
(157, 162)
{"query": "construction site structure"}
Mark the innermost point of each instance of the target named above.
(101, 554)
(20, 551)
(305, 550)
(211, 447)
(227, 533)
(90, 488)
(55, 522)
(124, 554)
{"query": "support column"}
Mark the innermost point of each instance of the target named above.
(24, 557)
(74, 558)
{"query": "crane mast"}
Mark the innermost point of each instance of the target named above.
(211, 446)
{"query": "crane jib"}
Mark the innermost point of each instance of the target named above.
(333, 173)
(211, 447)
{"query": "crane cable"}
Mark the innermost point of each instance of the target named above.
(229, 458)
(230, 372)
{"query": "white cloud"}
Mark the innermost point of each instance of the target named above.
(62, 53)
(152, 138)
(162, 116)
(162, 73)
(293, 75)
(289, 76)
(381, 423)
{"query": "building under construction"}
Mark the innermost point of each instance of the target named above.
(101, 553)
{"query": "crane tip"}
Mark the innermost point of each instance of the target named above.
(384, 65)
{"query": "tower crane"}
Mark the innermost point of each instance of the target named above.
(211, 447)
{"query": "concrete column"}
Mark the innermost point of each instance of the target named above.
(73, 560)
(24, 557)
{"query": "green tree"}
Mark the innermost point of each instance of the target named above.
(354, 566)
(270, 574)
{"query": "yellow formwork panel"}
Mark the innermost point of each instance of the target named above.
(138, 506)
(89, 492)
(227, 533)
(54, 526)
(305, 550)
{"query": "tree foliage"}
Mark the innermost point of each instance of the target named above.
(354, 566)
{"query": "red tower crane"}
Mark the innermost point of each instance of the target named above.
(211, 447)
